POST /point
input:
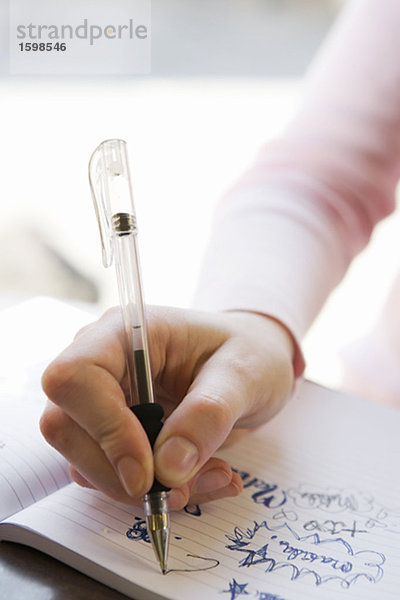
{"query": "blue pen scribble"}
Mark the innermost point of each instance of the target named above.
(138, 531)
(276, 552)
(333, 527)
(268, 494)
(365, 512)
(242, 589)
(368, 512)
(236, 589)
(331, 500)
(267, 596)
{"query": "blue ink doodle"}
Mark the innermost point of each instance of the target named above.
(241, 589)
(368, 512)
(275, 552)
(333, 527)
(236, 589)
(266, 596)
(138, 531)
(331, 500)
(268, 494)
(288, 515)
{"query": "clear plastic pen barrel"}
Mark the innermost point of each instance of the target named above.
(129, 285)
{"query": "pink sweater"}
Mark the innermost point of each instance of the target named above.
(285, 234)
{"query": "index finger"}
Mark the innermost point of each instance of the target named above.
(85, 381)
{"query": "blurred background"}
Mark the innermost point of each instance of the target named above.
(226, 76)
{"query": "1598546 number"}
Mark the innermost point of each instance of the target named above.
(42, 47)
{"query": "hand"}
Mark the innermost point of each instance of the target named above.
(212, 372)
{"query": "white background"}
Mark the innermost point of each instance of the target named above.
(186, 142)
(188, 138)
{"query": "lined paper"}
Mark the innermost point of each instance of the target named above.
(319, 517)
(32, 334)
(29, 468)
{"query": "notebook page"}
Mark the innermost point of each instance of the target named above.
(319, 516)
(32, 333)
(29, 468)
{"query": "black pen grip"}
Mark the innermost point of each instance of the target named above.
(150, 415)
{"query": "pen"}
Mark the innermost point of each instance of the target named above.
(110, 184)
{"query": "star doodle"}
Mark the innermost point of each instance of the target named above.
(236, 589)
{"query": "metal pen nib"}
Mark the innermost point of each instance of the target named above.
(157, 520)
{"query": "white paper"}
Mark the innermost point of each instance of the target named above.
(319, 517)
(32, 334)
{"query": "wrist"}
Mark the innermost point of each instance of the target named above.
(274, 329)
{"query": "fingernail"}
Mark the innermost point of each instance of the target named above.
(131, 474)
(209, 481)
(175, 460)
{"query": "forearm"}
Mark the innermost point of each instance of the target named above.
(285, 234)
(271, 255)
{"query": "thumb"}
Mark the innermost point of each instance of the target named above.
(225, 390)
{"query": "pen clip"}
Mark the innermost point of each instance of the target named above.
(110, 184)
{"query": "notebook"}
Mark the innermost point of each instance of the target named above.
(319, 516)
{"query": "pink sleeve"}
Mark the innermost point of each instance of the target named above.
(285, 234)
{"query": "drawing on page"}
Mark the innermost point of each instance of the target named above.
(267, 596)
(279, 547)
(139, 532)
(365, 511)
(368, 513)
(213, 562)
(330, 512)
(236, 589)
